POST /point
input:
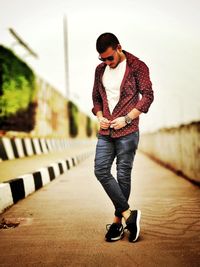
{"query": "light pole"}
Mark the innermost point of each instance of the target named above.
(65, 32)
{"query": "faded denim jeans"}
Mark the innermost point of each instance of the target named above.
(123, 148)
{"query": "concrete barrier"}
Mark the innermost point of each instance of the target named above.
(177, 148)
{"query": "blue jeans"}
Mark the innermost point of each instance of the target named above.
(123, 148)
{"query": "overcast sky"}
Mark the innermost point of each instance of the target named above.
(164, 34)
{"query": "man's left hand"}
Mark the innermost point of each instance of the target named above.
(118, 123)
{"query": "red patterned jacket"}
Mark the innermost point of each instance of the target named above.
(136, 81)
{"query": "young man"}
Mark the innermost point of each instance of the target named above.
(119, 81)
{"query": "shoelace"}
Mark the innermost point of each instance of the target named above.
(109, 225)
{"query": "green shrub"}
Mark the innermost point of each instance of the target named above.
(89, 127)
(73, 119)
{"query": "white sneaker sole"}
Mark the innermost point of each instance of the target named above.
(116, 238)
(138, 225)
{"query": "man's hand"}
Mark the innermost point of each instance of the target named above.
(118, 123)
(104, 123)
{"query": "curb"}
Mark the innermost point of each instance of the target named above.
(20, 187)
(16, 147)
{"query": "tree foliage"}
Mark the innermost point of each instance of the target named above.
(17, 92)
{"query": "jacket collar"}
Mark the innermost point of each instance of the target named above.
(129, 57)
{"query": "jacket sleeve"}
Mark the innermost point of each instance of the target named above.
(145, 88)
(96, 97)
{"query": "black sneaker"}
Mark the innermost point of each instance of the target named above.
(115, 232)
(133, 225)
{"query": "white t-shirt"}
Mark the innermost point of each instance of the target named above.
(112, 79)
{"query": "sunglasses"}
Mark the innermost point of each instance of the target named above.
(106, 58)
(110, 58)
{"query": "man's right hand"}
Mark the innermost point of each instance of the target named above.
(104, 123)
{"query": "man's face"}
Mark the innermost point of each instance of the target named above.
(111, 57)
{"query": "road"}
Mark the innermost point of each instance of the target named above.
(63, 223)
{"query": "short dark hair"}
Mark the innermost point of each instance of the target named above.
(106, 40)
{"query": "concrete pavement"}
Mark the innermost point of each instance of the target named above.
(22, 177)
(63, 223)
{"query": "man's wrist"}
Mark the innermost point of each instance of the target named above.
(128, 119)
(99, 114)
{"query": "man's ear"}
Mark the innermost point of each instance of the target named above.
(119, 48)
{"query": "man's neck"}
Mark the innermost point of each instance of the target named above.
(122, 56)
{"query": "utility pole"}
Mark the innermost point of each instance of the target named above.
(65, 32)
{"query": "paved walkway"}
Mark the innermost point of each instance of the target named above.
(63, 224)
